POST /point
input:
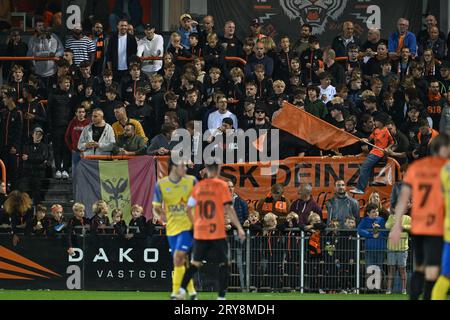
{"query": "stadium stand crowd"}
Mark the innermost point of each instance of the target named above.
(123, 95)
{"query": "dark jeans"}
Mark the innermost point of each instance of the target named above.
(60, 151)
(31, 182)
(366, 170)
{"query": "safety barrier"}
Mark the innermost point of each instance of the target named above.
(149, 58)
(272, 261)
(342, 262)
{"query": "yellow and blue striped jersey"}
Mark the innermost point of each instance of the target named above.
(174, 197)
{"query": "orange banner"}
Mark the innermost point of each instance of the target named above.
(252, 183)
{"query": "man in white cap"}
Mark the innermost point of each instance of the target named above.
(83, 48)
(187, 26)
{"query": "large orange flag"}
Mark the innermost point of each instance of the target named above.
(313, 130)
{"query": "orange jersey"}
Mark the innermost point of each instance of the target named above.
(210, 196)
(427, 212)
(382, 139)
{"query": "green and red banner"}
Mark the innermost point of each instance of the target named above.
(121, 183)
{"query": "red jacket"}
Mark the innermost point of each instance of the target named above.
(73, 132)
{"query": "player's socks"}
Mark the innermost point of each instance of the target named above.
(188, 276)
(224, 273)
(416, 288)
(178, 273)
(427, 289)
(191, 288)
(441, 288)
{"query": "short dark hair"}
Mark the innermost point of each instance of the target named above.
(307, 26)
(370, 207)
(424, 123)
(313, 88)
(166, 128)
(85, 64)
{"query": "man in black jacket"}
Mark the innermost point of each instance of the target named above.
(11, 127)
(120, 49)
(34, 112)
(61, 107)
(35, 157)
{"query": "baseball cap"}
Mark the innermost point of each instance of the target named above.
(149, 26)
(255, 23)
(260, 107)
(185, 16)
(38, 129)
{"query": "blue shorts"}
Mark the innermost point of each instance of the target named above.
(446, 260)
(181, 242)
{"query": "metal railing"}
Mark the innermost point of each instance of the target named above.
(340, 262)
(294, 261)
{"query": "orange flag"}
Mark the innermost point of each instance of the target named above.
(313, 130)
(259, 142)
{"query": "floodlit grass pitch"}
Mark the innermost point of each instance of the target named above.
(114, 295)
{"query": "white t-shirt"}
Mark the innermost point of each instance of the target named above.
(122, 53)
(153, 48)
(329, 92)
(215, 120)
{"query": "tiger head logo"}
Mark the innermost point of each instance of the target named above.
(314, 12)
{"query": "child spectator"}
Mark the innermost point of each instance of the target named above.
(100, 220)
(275, 102)
(375, 240)
(346, 255)
(57, 222)
(17, 82)
(272, 253)
(264, 84)
(253, 224)
(212, 84)
(292, 250)
(78, 220)
(397, 255)
(196, 49)
(314, 258)
(110, 104)
(327, 91)
(214, 55)
(119, 226)
(138, 226)
(40, 221)
(33, 110)
(311, 61)
(236, 90)
(199, 66)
